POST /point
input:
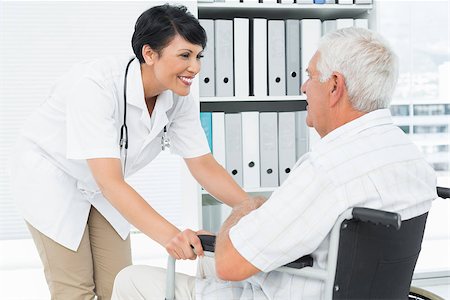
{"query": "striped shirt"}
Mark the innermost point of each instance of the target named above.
(367, 162)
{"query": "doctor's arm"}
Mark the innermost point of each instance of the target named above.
(230, 264)
(215, 179)
(108, 175)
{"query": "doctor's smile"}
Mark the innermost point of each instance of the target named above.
(186, 80)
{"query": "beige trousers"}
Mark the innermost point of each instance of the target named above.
(89, 271)
(149, 283)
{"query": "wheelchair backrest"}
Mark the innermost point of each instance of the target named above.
(376, 261)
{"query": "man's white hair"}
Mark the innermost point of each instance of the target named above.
(366, 61)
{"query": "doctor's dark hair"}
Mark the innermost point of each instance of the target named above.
(158, 25)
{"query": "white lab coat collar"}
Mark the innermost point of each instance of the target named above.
(135, 97)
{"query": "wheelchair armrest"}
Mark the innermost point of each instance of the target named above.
(377, 216)
(209, 243)
(304, 261)
(443, 192)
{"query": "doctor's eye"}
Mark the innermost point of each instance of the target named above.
(185, 55)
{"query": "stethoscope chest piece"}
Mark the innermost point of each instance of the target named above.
(165, 140)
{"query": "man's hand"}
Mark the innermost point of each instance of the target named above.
(230, 264)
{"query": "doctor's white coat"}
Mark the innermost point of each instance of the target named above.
(81, 119)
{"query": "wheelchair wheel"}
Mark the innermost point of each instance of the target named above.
(416, 293)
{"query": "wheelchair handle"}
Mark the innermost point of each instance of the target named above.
(208, 242)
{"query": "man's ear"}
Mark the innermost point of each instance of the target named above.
(337, 82)
(148, 54)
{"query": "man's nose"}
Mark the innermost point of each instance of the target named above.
(303, 87)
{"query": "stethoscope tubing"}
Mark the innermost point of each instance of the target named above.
(123, 143)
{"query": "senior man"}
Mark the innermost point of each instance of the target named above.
(362, 159)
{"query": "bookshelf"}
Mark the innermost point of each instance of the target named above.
(213, 214)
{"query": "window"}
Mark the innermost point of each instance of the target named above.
(405, 128)
(422, 129)
(431, 109)
(400, 110)
(440, 166)
(427, 149)
(421, 41)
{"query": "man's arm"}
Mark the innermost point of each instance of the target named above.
(230, 264)
(215, 179)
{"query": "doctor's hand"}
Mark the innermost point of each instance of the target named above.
(185, 245)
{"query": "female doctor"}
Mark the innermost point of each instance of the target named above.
(103, 121)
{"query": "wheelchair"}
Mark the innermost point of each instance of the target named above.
(380, 250)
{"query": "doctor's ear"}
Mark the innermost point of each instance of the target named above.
(149, 54)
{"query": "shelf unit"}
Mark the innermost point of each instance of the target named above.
(269, 11)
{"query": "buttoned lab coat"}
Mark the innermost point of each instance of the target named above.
(81, 119)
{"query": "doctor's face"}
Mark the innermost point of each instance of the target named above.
(177, 65)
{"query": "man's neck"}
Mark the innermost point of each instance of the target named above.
(342, 115)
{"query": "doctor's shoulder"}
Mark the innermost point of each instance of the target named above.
(106, 73)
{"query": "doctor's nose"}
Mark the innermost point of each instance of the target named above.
(194, 66)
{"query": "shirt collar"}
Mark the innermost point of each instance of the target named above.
(371, 119)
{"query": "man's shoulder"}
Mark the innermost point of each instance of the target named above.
(374, 148)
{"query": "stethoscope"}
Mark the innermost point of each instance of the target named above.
(123, 143)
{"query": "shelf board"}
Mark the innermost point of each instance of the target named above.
(207, 199)
(253, 98)
(249, 190)
(224, 10)
(235, 105)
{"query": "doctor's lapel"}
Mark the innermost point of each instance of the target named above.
(164, 102)
(136, 98)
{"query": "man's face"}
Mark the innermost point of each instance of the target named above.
(317, 98)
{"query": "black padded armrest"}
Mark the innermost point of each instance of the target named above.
(304, 261)
(443, 192)
(377, 216)
(209, 243)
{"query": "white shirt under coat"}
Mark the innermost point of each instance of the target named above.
(81, 119)
(368, 162)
